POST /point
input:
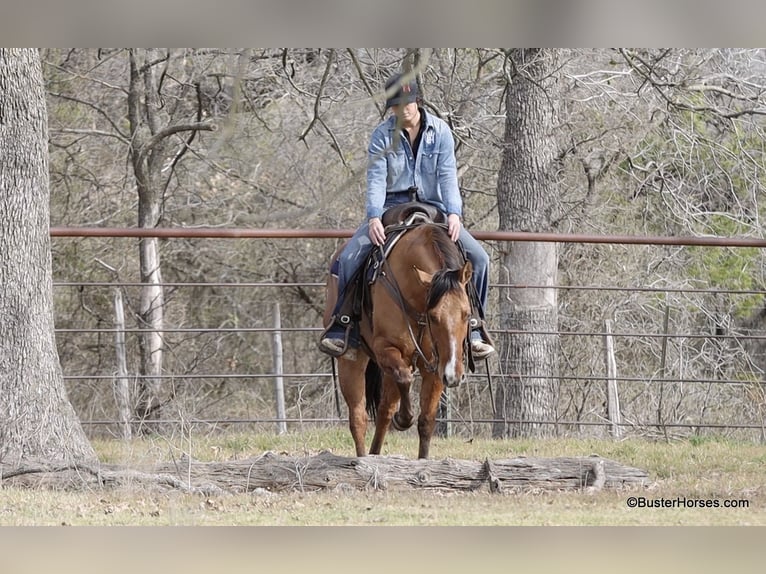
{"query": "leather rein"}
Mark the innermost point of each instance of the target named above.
(386, 275)
(389, 281)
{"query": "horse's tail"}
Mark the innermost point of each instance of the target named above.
(373, 386)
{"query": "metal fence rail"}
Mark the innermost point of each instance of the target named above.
(477, 382)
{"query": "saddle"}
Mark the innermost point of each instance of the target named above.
(399, 219)
(357, 302)
(400, 214)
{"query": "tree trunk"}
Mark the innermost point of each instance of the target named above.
(146, 156)
(153, 120)
(37, 422)
(527, 191)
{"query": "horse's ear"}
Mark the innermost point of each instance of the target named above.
(423, 277)
(466, 272)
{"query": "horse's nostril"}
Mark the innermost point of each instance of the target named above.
(453, 381)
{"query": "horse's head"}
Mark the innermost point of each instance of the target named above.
(447, 314)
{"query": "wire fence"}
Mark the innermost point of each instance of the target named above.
(712, 383)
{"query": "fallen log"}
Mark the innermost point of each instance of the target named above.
(275, 472)
(328, 471)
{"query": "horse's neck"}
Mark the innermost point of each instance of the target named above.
(408, 255)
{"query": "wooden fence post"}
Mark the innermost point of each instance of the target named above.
(444, 411)
(663, 372)
(121, 383)
(612, 398)
(279, 384)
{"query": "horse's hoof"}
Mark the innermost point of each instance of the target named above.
(398, 425)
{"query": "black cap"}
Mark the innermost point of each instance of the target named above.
(406, 93)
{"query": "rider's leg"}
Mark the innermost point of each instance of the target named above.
(350, 259)
(478, 257)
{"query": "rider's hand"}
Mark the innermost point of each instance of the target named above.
(453, 226)
(376, 232)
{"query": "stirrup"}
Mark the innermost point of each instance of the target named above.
(484, 346)
(326, 346)
(477, 324)
(481, 350)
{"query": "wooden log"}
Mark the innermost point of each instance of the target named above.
(328, 471)
(277, 359)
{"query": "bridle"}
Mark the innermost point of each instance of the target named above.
(389, 281)
(422, 319)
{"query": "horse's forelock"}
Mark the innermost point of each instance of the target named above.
(442, 282)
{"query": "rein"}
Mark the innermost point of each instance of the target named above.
(389, 281)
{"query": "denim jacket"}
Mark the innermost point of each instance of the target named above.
(392, 168)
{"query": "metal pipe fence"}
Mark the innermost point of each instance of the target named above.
(576, 388)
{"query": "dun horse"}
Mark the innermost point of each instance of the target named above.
(419, 319)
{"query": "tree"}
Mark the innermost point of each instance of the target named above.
(152, 124)
(526, 196)
(677, 138)
(37, 422)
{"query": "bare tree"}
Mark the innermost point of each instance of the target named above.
(153, 155)
(37, 422)
(527, 196)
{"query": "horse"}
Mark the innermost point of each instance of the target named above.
(418, 318)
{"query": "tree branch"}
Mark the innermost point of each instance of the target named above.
(647, 72)
(189, 140)
(169, 131)
(358, 66)
(94, 107)
(84, 132)
(318, 98)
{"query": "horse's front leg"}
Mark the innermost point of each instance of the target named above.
(402, 375)
(430, 394)
(352, 386)
(389, 399)
(397, 380)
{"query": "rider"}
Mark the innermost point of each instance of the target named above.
(411, 151)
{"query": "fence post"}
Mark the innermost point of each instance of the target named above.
(663, 372)
(612, 398)
(444, 411)
(279, 384)
(121, 384)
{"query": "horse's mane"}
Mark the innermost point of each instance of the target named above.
(445, 248)
(446, 279)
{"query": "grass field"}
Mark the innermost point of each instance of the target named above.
(689, 470)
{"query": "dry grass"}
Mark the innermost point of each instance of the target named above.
(708, 469)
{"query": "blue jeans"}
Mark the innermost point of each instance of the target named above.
(359, 247)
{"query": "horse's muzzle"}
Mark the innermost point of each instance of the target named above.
(453, 381)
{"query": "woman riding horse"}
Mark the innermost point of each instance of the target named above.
(419, 320)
